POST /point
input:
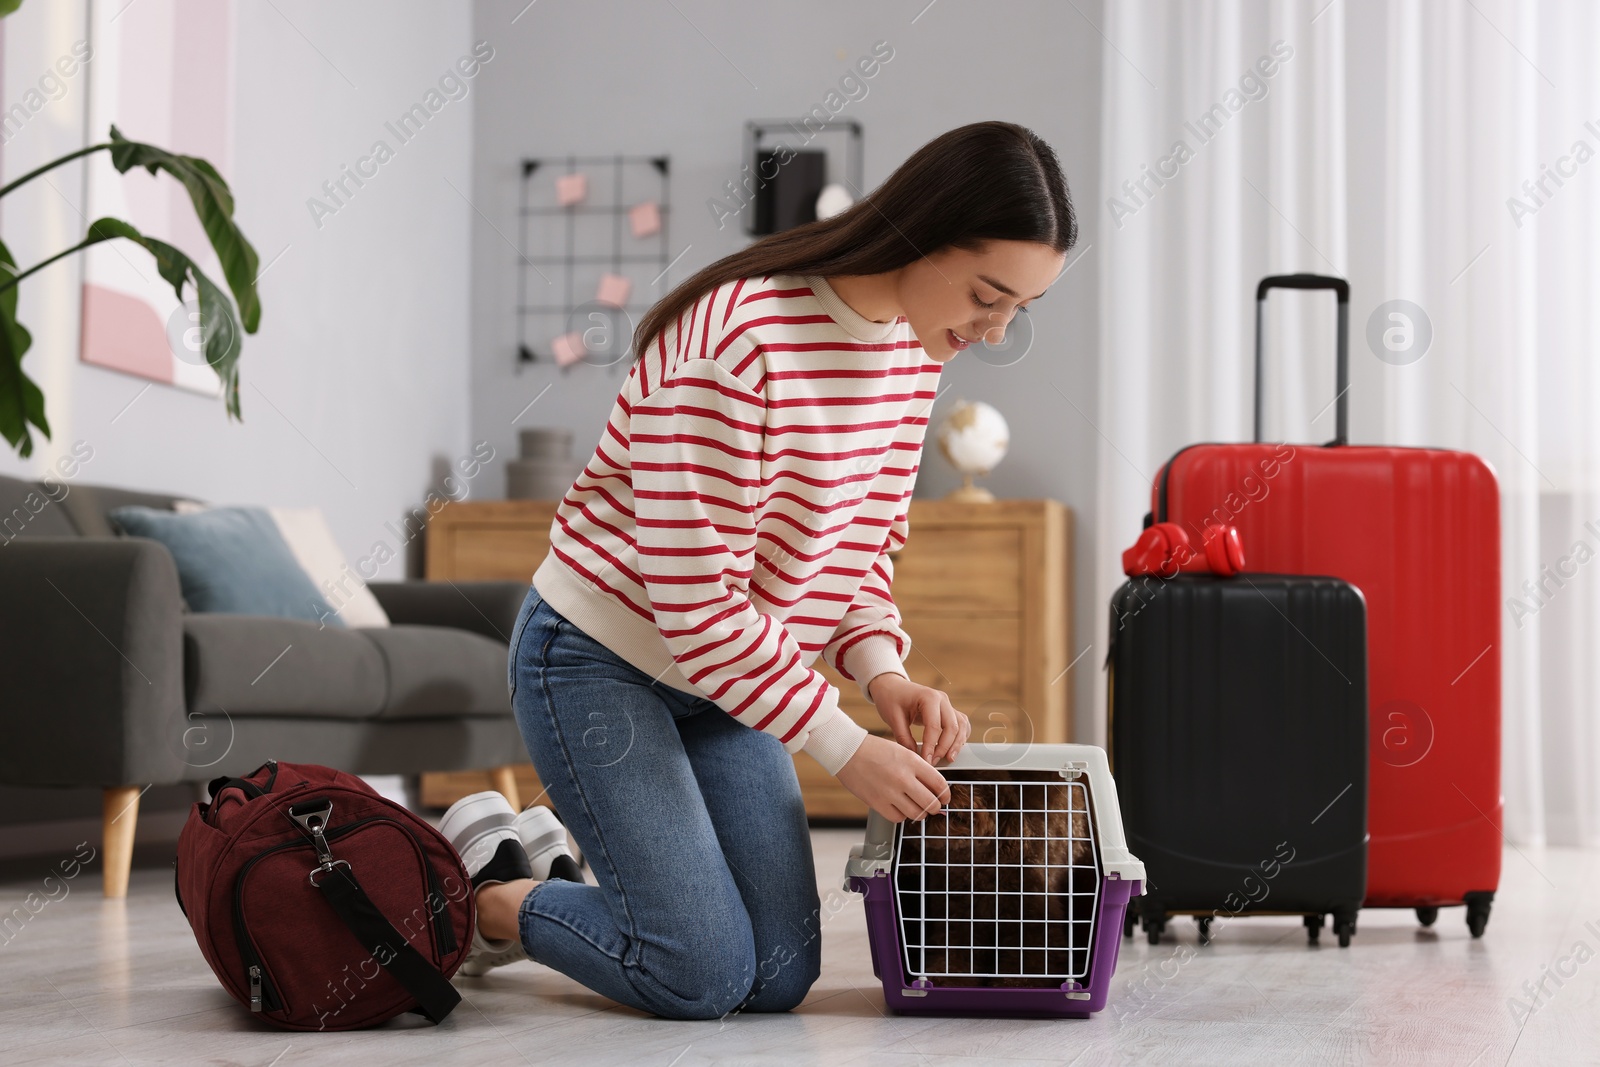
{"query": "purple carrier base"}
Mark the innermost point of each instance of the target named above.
(1074, 1000)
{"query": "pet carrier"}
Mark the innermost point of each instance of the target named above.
(1009, 901)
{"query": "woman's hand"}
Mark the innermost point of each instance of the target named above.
(901, 702)
(895, 782)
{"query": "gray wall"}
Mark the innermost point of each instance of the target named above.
(620, 76)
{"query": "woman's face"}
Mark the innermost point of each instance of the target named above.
(955, 298)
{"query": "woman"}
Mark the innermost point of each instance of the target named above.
(734, 523)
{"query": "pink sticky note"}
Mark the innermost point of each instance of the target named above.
(571, 189)
(614, 290)
(568, 348)
(645, 218)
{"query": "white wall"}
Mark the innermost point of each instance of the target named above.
(356, 386)
(618, 76)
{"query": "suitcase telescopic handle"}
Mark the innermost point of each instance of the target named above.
(1341, 289)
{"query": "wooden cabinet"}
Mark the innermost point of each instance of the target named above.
(487, 540)
(984, 591)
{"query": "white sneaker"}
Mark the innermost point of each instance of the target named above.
(481, 828)
(486, 955)
(544, 840)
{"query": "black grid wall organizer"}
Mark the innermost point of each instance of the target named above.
(566, 250)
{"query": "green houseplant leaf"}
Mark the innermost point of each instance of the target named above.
(213, 203)
(21, 402)
(219, 324)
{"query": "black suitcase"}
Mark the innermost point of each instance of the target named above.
(1238, 737)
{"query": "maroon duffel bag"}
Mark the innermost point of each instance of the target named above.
(319, 904)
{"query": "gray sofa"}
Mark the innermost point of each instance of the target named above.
(109, 682)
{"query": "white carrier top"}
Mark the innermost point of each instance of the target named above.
(1072, 762)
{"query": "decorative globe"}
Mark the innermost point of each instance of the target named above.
(833, 200)
(974, 438)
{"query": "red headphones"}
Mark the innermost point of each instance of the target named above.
(1164, 550)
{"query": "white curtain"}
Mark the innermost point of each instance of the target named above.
(1389, 144)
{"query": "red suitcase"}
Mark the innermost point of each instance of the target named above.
(1417, 530)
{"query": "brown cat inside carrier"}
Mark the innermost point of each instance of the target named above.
(999, 888)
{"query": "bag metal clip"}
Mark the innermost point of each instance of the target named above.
(313, 817)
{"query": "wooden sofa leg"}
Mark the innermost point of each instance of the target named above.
(504, 781)
(119, 813)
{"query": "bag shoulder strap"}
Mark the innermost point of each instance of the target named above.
(434, 993)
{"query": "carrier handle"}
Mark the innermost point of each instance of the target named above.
(1341, 289)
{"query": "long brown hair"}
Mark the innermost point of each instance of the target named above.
(990, 181)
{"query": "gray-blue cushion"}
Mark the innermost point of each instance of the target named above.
(231, 561)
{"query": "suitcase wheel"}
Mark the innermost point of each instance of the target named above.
(1204, 923)
(1154, 918)
(1344, 930)
(1478, 905)
(1127, 923)
(1427, 915)
(1313, 929)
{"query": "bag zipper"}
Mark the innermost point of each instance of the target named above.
(263, 996)
(245, 785)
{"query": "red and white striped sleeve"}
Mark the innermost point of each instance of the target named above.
(869, 640)
(696, 449)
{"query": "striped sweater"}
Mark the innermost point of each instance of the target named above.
(736, 518)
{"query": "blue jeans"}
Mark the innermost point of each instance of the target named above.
(692, 823)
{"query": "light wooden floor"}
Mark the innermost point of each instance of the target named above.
(101, 982)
